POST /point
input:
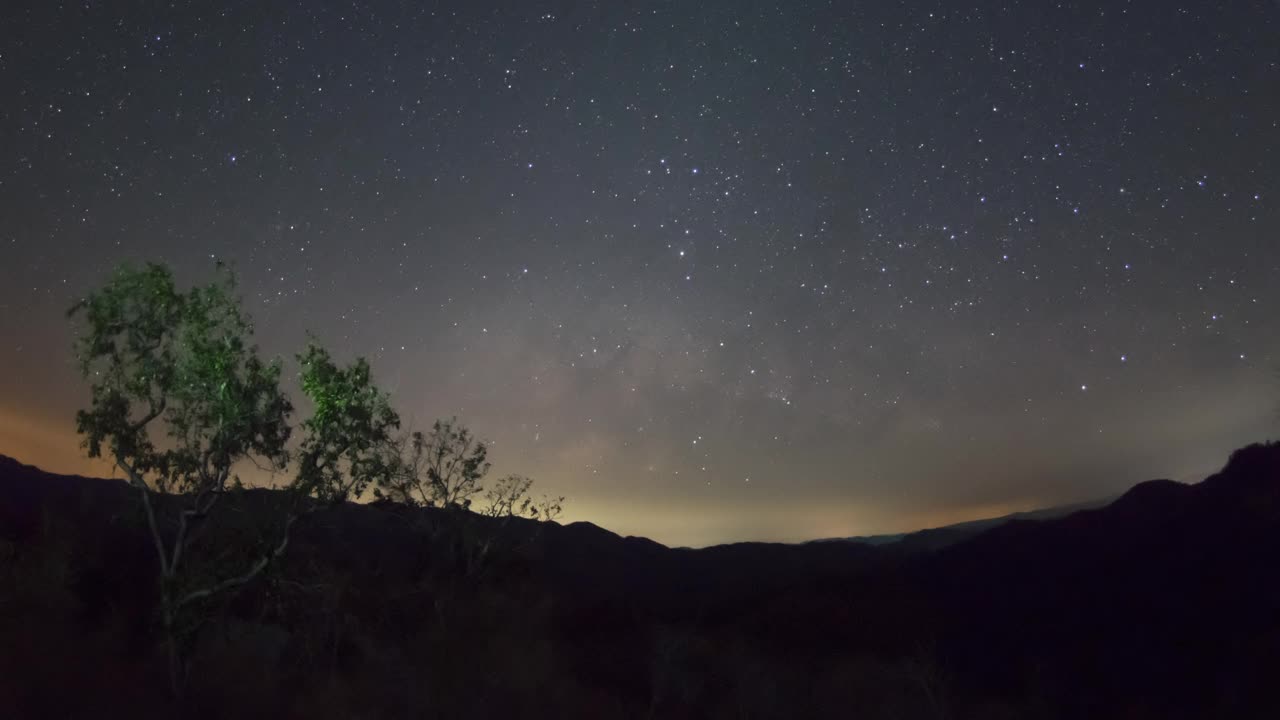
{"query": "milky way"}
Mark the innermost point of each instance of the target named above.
(713, 270)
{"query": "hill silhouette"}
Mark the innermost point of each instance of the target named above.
(1163, 603)
(940, 537)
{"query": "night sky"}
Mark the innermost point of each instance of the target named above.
(716, 271)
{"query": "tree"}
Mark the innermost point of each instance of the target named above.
(349, 431)
(180, 398)
(509, 497)
(441, 468)
(444, 468)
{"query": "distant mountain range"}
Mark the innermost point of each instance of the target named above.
(940, 537)
(1163, 603)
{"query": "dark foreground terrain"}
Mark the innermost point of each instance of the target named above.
(1163, 604)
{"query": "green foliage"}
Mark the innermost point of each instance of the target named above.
(349, 431)
(182, 362)
(153, 353)
(180, 397)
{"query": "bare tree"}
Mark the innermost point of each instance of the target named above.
(509, 497)
(440, 468)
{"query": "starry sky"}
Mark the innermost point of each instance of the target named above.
(716, 271)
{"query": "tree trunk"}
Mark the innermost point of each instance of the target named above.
(171, 639)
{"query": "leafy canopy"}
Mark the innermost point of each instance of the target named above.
(153, 353)
(182, 362)
(344, 450)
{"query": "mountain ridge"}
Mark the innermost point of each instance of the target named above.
(961, 529)
(1162, 603)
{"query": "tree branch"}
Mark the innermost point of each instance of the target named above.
(136, 480)
(156, 409)
(240, 580)
(199, 511)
